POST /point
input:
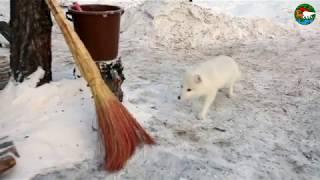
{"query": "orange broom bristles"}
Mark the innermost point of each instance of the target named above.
(121, 133)
(126, 135)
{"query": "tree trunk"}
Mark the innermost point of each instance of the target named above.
(30, 43)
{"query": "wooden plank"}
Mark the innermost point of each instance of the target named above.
(6, 163)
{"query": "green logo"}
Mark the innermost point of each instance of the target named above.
(305, 14)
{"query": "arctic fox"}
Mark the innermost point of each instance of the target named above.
(307, 14)
(207, 78)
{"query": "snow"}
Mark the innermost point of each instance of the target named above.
(41, 121)
(182, 25)
(271, 125)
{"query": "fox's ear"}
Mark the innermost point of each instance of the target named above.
(197, 78)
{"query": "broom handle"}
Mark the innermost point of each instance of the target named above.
(79, 51)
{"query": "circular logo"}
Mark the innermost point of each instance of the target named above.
(305, 14)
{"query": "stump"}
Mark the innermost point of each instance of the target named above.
(112, 74)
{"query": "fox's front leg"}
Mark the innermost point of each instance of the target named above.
(207, 103)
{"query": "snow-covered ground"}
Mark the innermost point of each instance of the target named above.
(272, 124)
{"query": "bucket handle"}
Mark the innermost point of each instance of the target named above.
(69, 16)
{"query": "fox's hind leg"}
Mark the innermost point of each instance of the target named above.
(231, 84)
(230, 88)
(230, 91)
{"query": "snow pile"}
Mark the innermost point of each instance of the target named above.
(183, 25)
(46, 125)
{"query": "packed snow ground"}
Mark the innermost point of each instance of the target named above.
(272, 124)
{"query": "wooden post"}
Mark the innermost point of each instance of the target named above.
(30, 44)
(6, 163)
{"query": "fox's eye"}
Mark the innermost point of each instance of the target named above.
(188, 90)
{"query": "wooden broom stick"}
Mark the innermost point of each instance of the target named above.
(121, 133)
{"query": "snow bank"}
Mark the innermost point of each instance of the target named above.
(183, 25)
(46, 125)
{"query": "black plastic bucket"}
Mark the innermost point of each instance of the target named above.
(98, 26)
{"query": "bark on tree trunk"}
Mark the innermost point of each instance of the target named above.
(30, 43)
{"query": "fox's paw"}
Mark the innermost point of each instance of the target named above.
(200, 116)
(230, 95)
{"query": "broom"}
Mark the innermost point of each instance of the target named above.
(121, 133)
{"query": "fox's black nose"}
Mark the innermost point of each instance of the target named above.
(179, 97)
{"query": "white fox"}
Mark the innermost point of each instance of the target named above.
(307, 14)
(207, 78)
